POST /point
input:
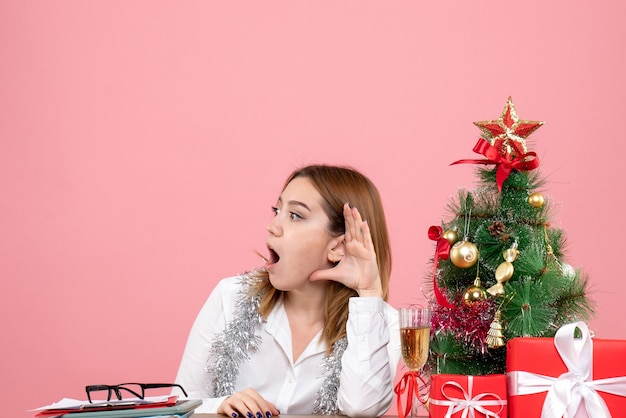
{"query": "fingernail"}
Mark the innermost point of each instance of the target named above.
(234, 415)
(268, 414)
(249, 414)
(259, 415)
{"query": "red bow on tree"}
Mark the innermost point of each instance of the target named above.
(435, 233)
(504, 163)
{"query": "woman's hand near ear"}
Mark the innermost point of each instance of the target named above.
(358, 269)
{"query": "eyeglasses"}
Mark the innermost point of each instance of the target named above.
(137, 390)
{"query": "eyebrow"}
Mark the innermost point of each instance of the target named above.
(296, 203)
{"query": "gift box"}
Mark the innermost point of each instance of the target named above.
(570, 375)
(456, 396)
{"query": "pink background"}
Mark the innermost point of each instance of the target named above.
(142, 144)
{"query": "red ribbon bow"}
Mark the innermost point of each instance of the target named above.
(435, 233)
(409, 384)
(503, 162)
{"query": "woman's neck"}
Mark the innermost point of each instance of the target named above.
(305, 312)
(307, 303)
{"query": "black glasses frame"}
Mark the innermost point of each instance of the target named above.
(118, 389)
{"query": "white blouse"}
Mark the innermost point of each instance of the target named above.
(368, 365)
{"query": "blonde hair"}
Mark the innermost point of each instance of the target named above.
(338, 185)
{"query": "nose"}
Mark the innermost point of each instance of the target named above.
(274, 227)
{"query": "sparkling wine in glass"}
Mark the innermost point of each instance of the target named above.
(414, 337)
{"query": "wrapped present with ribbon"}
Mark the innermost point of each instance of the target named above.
(461, 396)
(571, 375)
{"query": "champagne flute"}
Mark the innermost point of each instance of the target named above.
(414, 337)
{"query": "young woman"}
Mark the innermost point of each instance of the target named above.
(310, 332)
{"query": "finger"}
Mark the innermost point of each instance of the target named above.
(353, 224)
(367, 236)
(358, 222)
(257, 405)
(349, 221)
(266, 408)
(228, 408)
(242, 403)
(324, 274)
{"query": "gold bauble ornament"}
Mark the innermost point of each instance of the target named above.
(536, 200)
(474, 293)
(451, 236)
(464, 254)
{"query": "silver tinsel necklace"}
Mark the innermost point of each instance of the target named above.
(235, 343)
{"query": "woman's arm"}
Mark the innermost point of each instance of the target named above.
(371, 358)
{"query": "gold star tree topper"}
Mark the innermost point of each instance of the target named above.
(508, 134)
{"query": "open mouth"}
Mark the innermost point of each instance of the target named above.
(273, 257)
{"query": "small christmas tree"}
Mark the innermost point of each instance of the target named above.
(498, 268)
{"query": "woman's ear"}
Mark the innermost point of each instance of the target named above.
(336, 249)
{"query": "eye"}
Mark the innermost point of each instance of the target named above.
(275, 210)
(294, 216)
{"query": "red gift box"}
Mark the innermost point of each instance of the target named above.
(574, 376)
(456, 395)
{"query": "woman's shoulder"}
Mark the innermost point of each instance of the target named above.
(225, 294)
(234, 283)
(229, 283)
(230, 292)
(230, 287)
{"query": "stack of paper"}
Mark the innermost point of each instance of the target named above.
(156, 406)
